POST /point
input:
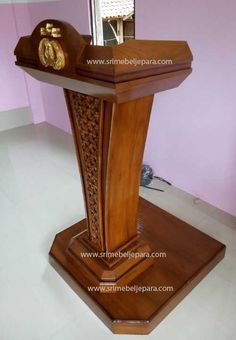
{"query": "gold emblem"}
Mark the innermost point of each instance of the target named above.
(50, 31)
(51, 54)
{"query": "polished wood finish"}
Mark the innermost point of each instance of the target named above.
(115, 93)
(109, 108)
(78, 52)
(191, 254)
(116, 83)
(110, 163)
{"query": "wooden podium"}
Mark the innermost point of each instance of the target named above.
(109, 105)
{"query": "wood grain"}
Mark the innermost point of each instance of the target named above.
(191, 254)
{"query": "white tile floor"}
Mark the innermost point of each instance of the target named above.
(40, 194)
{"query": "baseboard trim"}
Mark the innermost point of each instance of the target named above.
(15, 118)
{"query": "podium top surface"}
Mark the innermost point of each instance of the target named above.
(57, 54)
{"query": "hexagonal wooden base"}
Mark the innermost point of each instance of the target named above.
(191, 254)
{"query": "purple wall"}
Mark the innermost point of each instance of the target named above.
(17, 88)
(12, 85)
(192, 136)
(47, 102)
(77, 13)
(24, 27)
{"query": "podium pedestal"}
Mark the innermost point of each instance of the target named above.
(191, 254)
(109, 108)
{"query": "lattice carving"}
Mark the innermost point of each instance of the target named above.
(86, 111)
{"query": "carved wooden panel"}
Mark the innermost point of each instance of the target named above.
(88, 119)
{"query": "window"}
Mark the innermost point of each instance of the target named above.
(112, 21)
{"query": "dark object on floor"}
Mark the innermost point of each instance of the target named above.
(146, 175)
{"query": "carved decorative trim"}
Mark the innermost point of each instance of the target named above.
(87, 115)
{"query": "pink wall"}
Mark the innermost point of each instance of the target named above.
(47, 102)
(24, 27)
(77, 13)
(12, 85)
(192, 136)
(17, 89)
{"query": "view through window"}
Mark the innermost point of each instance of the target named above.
(112, 21)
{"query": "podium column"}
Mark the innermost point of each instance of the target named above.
(110, 140)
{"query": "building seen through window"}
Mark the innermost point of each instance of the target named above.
(113, 21)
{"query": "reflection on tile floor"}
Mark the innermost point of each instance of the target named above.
(40, 194)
